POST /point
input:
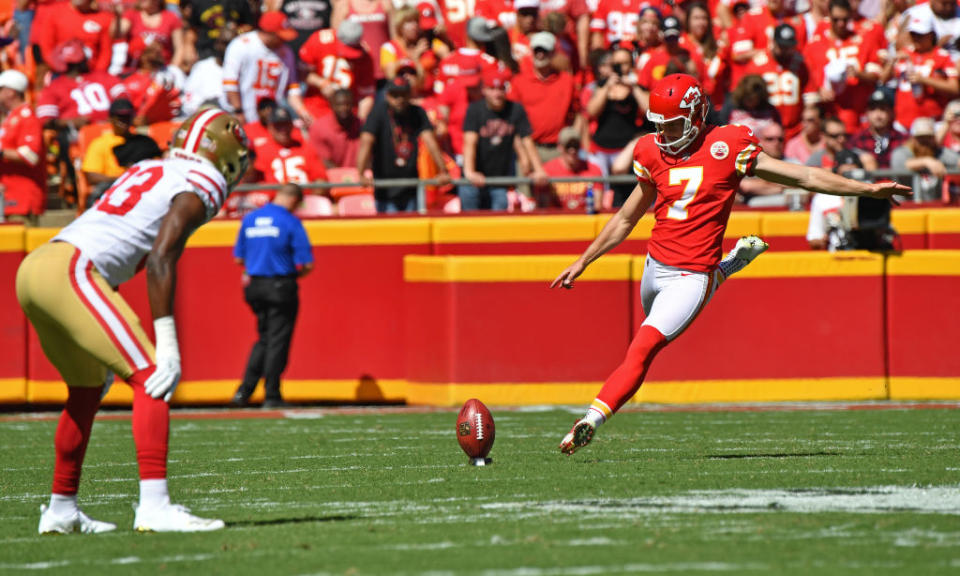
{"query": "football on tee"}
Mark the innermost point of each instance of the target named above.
(475, 430)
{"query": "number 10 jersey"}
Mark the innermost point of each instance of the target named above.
(119, 231)
(695, 192)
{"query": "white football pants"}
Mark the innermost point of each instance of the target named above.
(672, 297)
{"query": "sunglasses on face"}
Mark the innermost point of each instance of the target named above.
(774, 138)
(835, 134)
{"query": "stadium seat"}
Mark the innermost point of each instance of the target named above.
(346, 174)
(162, 133)
(314, 205)
(357, 205)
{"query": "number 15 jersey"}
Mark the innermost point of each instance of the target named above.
(695, 192)
(119, 231)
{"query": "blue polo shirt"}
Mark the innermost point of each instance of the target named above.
(272, 242)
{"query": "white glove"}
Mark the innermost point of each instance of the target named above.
(164, 380)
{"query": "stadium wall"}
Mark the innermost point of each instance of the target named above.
(795, 325)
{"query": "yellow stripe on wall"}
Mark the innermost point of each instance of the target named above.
(924, 263)
(12, 239)
(367, 232)
(508, 268)
(36, 237)
(909, 221)
(943, 221)
(909, 388)
(13, 390)
(784, 224)
(500, 229)
(813, 265)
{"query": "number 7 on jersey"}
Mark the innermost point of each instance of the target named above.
(691, 177)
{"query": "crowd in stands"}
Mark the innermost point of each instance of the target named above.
(365, 90)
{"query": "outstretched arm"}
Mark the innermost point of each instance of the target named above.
(823, 181)
(614, 232)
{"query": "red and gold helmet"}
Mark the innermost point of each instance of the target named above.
(217, 137)
(674, 97)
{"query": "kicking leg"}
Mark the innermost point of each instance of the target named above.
(671, 298)
(747, 248)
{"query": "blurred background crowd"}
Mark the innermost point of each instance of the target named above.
(368, 90)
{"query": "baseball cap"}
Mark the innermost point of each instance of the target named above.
(544, 41)
(496, 76)
(276, 22)
(349, 36)
(847, 157)
(480, 30)
(922, 127)
(399, 85)
(567, 135)
(266, 102)
(921, 22)
(879, 98)
(785, 36)
(14, 80)
(71, 52)
(526, 4)
(281, 115)
(121, 107)
(428, 16)
(670, 27)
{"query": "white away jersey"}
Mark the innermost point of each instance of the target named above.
(257, 72)
(118, 232)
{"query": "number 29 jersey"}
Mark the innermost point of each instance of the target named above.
(118, 232)
(695, 192)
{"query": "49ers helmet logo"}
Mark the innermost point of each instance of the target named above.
(691, 99)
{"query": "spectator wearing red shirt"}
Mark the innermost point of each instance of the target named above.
(926, 75)
(452, 106)
(569, 195)
(528, 13)
(334, 60)
(258, 131)
(761, 21)
(153, 23)
(845, 66)
(576, 14)
(700, 38)
(469, 60)
(502, 12)
(284, 159)
(22, 171)
(654, 61)
(549, 96)
(738, 50)
(336, 136)
(78, 96)
(787, 78)
(413, 41)
(80, 20)
(154, 88)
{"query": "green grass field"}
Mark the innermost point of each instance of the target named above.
(366, 492)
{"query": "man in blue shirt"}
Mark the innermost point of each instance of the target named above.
(273, 247)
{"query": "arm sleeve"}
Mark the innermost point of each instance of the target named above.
(471, 120)
(372, 123)
(639, 168)
(423, 122)
(240, 248)
(748, 148)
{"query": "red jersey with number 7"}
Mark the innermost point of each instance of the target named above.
(695, 192)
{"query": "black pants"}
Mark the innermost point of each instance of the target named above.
(275, 301)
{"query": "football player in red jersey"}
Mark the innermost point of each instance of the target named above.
(693, 170)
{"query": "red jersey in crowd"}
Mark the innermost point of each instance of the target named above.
(87, 95)
(851, 95)
(922, 101)
(464, 62)
(567, 195)
(617, 19)
(501, 11)
(25, 183)
(297, 163)
(153, 96)
(652, 64)
(870, 31)
(141, 35)
(760, 22)
(92, 28)
(455, 16)
(345, 66)
(259, 135)
(551, 103)
(789, 88)
(695, 193)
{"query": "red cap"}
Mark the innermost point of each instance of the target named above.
(276, 22)
(69, 52)
(496, 76)
(428, 16)
(405, 64)
(349, 52)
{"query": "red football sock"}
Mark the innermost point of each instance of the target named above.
(151, 428)
(627, 378)
(73, 434)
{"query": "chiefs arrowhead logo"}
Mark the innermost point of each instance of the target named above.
(692, 98)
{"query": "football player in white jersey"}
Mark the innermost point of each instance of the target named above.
(67, 289)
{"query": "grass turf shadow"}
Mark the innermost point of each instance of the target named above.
(770, 455)
(298, 520)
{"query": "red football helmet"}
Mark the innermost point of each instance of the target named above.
(678, 96)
